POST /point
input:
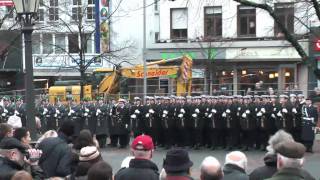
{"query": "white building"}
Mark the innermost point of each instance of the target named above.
(233, 46)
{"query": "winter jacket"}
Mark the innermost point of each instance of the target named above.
(292, 174)
(138, 169)
(8, 168)
(267, 171)
(232, 172)
(56, 158)
(182, 176)
(270, 169)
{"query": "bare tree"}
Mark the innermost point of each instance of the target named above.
(289, 36)
(74, 21)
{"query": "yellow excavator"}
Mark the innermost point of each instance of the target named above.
(106, 81)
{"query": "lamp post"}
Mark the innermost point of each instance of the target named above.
(26, 13)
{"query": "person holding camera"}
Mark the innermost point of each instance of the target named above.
(14, 156)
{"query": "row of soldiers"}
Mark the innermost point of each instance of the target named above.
(212, 121)
(224, 121)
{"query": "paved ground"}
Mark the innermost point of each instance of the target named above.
(115, 156)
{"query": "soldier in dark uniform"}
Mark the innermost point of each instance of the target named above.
(214, 123)
(75, 114)
(309, 122)
(50, 117)
(181, 123)
(20, 110)
(101, 126)
(137, 124)
(300, 104)
(89, 113)
(7, 109)
(196, 123)
(41, 112)
(61, 112)
(275, 109)
(265, 122)
(285, 114)
(232, 123)
(167, 122)
(248, 123)
(151, 118)
(296, 118)
(119, 124)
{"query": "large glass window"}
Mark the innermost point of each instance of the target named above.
(60, 44)
(73, 42)
(36, 45)
(47, 43)
(179, 24)
(246, 21)
(285, 12)
(212, 22)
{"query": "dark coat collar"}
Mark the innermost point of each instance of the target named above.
(143, 164)
(290, 172)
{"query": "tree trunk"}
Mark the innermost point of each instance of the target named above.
(82, 82)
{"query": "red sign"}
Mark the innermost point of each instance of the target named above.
(317, 45)
(6, 3)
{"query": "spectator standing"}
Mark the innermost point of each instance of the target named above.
(290, 161)
(141, 167)
(270, 158)
(13, 158)
(211, 169)
(235, 166)
(100, 171)
(57, 155)
(23, 135)
(88, 157)
(6, 130)
(177, 165)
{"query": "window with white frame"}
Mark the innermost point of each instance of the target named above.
(89, 43)
(213, 22)
(47, 43)
(73, 43)
(91, 13)
(54, 10)
(41, 11)
(36, 46)
(179, 24)
(76, 10)
(60, 43)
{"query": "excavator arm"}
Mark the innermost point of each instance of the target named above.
(110, 84)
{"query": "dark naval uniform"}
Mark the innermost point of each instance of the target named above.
(119, 126)
(101, 126)
(309, 121)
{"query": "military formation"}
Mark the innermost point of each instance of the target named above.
(216, 122)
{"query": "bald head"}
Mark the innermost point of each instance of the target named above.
(237, 158)
(211, 169)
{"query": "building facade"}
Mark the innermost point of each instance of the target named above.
(235, 49)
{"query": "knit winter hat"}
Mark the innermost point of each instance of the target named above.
(89, 153)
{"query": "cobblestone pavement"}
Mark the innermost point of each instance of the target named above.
(114, 156)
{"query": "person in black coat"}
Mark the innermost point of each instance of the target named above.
(260, 173)
(141, 167)
(309, 122)
(56, 158)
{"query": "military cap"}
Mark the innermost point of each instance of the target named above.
(18, 98)
(166, 98)
(257, 96)
(264, 96)
(5, 98)
(189, 97)
(136, 98)
(293, 95)
(283, 96)
(221, 96)
(203, 96)
(121, 100)
(291, 149)
(172, 96)
(273, 96)
(300, 95)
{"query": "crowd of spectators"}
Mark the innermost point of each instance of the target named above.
(58, 155)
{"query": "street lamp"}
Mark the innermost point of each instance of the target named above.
(26, 12)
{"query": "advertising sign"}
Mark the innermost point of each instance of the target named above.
(104, 17)
(6, 3)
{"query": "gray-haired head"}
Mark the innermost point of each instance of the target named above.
(210, 169)
(278, 137)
